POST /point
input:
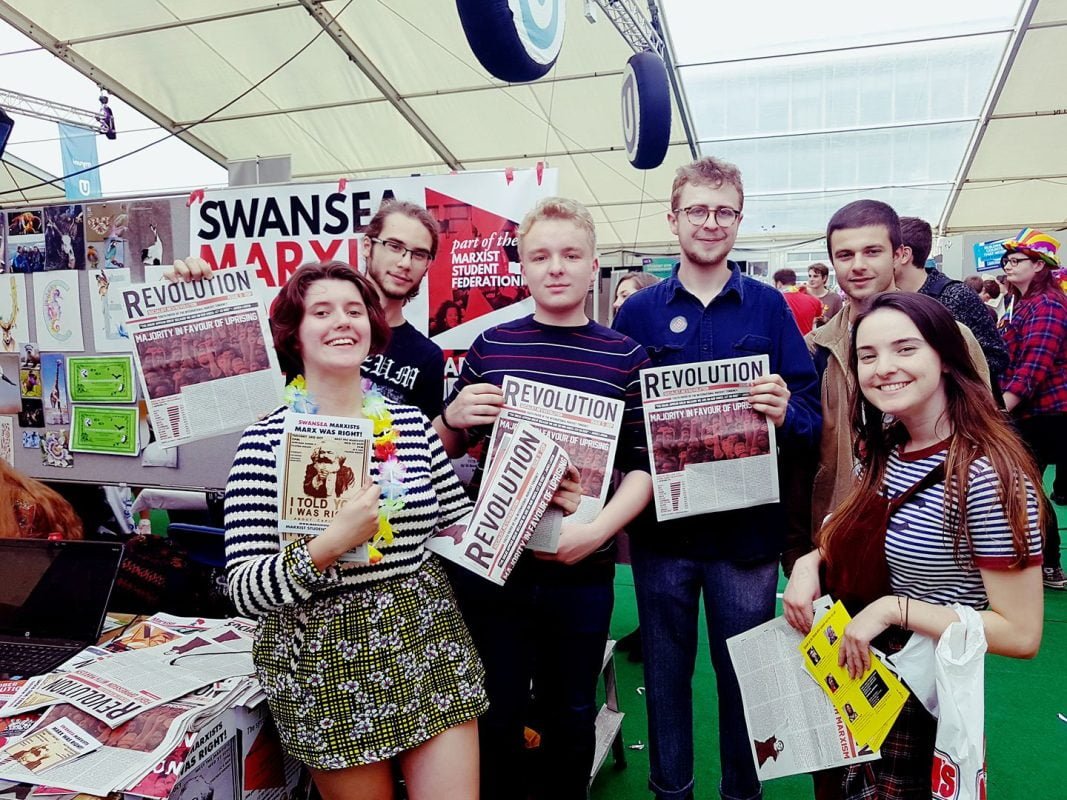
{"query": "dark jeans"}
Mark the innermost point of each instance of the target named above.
(1046, 436)
(736, 597)
(553, 634)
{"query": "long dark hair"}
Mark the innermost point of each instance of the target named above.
(978, 430)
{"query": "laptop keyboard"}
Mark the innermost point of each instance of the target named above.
(30, 659)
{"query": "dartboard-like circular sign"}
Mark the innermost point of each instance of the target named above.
(646, 110)
(515, 40)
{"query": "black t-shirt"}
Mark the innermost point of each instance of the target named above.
(410, 371)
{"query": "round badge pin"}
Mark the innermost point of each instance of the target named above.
(678, 324)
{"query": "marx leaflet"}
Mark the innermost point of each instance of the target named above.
(869, 704)
(320, 459)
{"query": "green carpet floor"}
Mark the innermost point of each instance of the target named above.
(1026, 741)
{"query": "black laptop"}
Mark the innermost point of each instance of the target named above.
(53, 600)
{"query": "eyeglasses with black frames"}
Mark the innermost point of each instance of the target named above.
(419, 256)
(698, 215)
(1015, 260)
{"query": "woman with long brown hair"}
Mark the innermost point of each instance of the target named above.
(945, 511)
(1035, 385)
(30, 510)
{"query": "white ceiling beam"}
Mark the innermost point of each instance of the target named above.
(843, 48)
(356, 55)
(32, 30)
(180, 23)
(1015, 42)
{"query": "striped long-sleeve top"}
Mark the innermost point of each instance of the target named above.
(263, 576)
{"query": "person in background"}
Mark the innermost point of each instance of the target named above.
(1035, 385)
(974, 283)
(31, 510)
(992, 297)
(911, 275)
(448, 316)
(945, 511)
(806, 309)
(628, 284)
(361, 663)
(863, 240)
(818, 275)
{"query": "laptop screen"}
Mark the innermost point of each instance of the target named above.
(56, 590)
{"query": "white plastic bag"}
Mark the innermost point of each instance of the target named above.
(959, 671)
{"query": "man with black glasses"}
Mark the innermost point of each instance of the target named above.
(708, 310)
(398, 245)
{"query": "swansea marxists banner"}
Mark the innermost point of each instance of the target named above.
(474, 281)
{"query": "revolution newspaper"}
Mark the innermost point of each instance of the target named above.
(792, 724)
(585, 425)
(515, 492)
(204, 353)
(709, 450)
(320, 459)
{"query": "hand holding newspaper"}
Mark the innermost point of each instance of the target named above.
(708, 449)
(219, 326)
(320, 459)
(585, 425)
(869, 704)
(793, 727)
(516, 490)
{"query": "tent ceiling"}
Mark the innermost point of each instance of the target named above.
(908, 105)
(17, 174)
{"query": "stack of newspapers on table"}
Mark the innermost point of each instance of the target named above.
(164, 702)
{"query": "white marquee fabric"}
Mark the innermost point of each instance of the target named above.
(16, 174)
(952, 111)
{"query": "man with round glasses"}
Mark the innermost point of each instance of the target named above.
(708, 310)
(398, 245)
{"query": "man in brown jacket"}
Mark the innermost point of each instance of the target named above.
(864, 243)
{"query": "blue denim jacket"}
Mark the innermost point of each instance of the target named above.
(746, 318)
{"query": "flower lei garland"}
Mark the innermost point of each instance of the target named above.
(391, 472)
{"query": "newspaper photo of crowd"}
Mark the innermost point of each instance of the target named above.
(186, 359)
(706, 437)
(590, 461)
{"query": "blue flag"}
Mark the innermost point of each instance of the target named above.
(79, 152)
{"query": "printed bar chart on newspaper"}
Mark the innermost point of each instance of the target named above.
(320, 459)
(793, 727)
(709, 450)
(585, 425)
(204, 353)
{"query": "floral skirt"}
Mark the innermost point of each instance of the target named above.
(361, 675)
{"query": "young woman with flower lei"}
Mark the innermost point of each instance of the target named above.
(361, 663)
